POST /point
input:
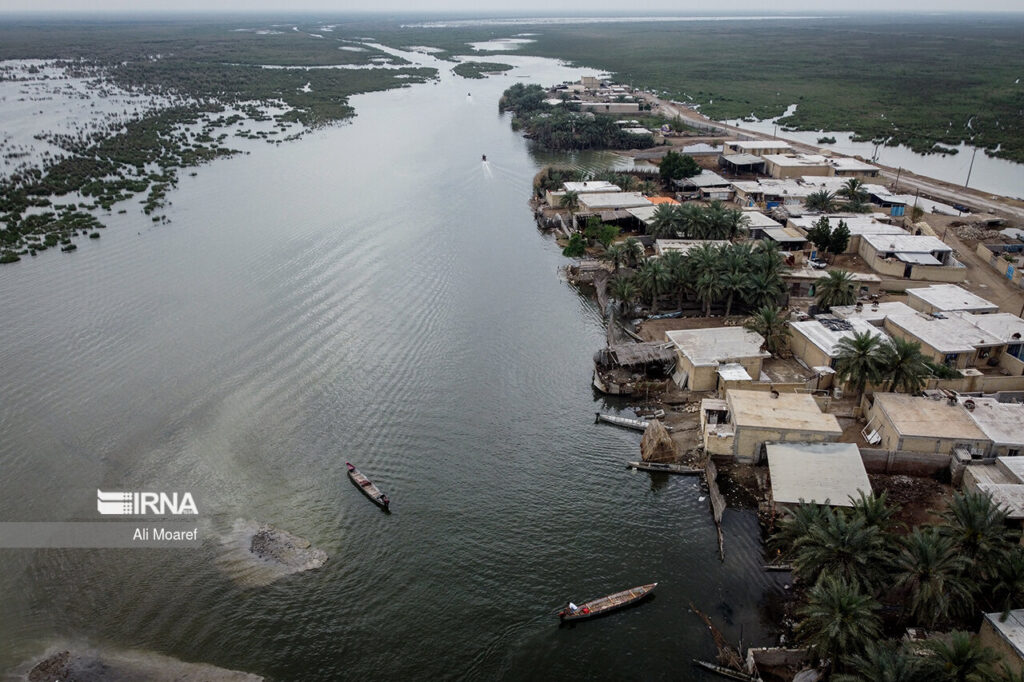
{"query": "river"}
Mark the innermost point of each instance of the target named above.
(372, 292)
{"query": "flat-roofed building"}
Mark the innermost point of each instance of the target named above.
(757, 147)
(911, 257)
(684, 246)
(941, 298)
(1005, 636)
(708, 184)
(1003, 423)
(803, 282)
(769, 193)
(740, 425)
(700, 353)
(900, 422)
(783, 166)
(602, 201)
(816, 342)
(872, 313)
(756, 222)
(741, 164)
(819, 473)
(588, 187)
(848, 167)
(610, 107)
(858, 225)
(953, 340)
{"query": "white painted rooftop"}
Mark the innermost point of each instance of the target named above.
(683, 246)
(604, 200)
(1007, 327)
(590, 187)
(849, 164)
(874, 313)
(1011, 629)
(756, 219)
(949, 334)
(772, 186)
(816, 472)
(733, 371)
(793, 160)
(825, 331)
(706, 178)
(858, 225)
(951, 297)
(718, 345)
(746, 145)
(905, 243)
(1003, 423)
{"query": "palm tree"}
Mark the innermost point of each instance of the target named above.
(734, 281)
(978, 529)
(652, 279)
(616, 255)
(624, 291)
(932, 572)
(1007, 588)
(904, 365)
(771, 325)
(634, 250)
(964, 659)
(838, 619)
(764, 290)
(853, 190)
(881, 662)
(679, 276)
(665, 222)
(735, 222)
(794, 525)
(836, 288)
(571, 202)
(858, 360)
(648, 188)
(692, 220)
(875, 510)
(822, 201)
(709, 288)
(843, 546)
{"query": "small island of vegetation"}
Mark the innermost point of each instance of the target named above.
(479, 69)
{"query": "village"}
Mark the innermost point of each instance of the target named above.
(842, 355)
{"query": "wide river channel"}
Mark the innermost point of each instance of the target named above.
(372, 292)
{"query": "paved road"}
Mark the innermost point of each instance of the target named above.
(908, 183)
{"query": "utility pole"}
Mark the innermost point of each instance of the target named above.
(970, 168)
(775, 132)
(898, 173)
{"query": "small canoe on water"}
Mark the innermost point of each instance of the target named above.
(597, 607)
(367, 486)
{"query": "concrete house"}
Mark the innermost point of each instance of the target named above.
(702, 352)
(757, 147)
(941, 298)
(872, 313)
(848, 167)
(821, 473)
(769, 193)
(859, 226)
(897, 421)
(803, 282)
(953, 339)
(815, 342)
(783, 166)
(1005, 637)
(1002, 423)
(911, 257)
(740, 425)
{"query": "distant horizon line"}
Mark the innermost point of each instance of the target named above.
(519, 16)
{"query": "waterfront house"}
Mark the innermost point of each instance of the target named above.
(819, 473)
(741, 424)
(701, 352)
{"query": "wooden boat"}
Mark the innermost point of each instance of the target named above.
(597, 607)
(367, 486)
(665, 467)
(624, 422)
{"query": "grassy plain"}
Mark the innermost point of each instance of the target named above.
(911, 79)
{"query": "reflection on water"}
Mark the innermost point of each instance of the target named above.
(373, 293)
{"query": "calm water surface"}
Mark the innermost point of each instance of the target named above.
(371, 293)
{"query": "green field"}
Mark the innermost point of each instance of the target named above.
(912, 79)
